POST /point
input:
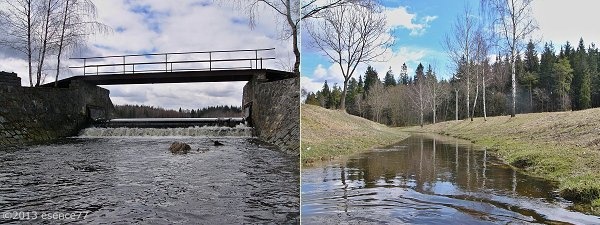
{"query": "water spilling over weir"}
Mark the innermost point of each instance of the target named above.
(210, 131)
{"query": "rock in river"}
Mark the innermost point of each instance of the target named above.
(179, 148)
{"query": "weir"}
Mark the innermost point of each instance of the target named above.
(56, 110)
(170, 122)
(206, 131)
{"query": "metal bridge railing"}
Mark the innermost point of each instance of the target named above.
(195, 61)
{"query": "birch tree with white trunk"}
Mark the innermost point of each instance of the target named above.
(459, 45)
(515, 23)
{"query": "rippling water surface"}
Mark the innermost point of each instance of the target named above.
(430, 180)
(137, 180)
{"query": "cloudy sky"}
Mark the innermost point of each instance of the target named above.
(147, 26)
(419, 27)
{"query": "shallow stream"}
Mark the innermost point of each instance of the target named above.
(430, 180)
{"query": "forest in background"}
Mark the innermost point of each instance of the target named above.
(142, 111)
(546, 82)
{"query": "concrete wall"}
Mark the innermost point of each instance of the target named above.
(33, 115)
(275, 112)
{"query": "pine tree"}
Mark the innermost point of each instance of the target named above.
(370, 78)
(335, 97)
(351, 95)
(325, 93)
(532, 63)
(389, 79)
(563, 75)
(581, 85)
(594, 69)
(404, 75)
(546, 76)
(312, 99)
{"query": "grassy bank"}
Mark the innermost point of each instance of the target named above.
(330, 133)
(561, 146)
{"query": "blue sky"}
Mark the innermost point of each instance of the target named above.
(144, 26)
(413, 46)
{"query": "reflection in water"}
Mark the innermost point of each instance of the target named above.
(429, 180)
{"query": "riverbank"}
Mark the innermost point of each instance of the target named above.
(328, 134)
(559, 146)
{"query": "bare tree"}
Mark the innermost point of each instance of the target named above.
(483, 44)
(349, 35)
(432, 90)
(418, 93)
(78, 20)
(43, 28)
(516, 23)
(293, 12)
(459, 45)
(376, 99)
(481, 47)
(47, 34)
(18, 25)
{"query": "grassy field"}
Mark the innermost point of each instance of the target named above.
(330, 133)
(560, 146)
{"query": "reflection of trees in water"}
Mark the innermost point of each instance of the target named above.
(425, 163)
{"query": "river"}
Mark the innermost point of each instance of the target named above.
(119, 176)
(428, 179)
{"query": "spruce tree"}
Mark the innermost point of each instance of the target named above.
(563, 75)
(581, 85)
(546, 76)
(389, 79)
(370, 78)
(404, 75)
(325, 93)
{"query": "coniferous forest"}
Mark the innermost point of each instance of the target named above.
(559, 78)
(142, 111)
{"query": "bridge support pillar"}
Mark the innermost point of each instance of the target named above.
(34, 115)
(273, 110)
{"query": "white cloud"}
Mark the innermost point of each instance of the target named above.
(310, 84)
(400, 18)
(412, 56)
(561, 21)
(15, 65)
(164, 26)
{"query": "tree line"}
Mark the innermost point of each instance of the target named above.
(142, 111)
(546, 82)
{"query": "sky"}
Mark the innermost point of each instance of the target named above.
(418, 28)
(156, 26)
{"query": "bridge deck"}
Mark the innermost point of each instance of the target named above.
(177, 77)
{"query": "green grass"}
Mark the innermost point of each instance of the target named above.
(561, 146)
(327, 134)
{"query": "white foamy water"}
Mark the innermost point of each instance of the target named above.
(212, 131)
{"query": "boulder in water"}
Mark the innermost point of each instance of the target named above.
(179, 148)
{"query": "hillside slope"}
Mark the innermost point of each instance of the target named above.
(328, 133)
(561, 146)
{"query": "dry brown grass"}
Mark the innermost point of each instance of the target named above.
(330, 133)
